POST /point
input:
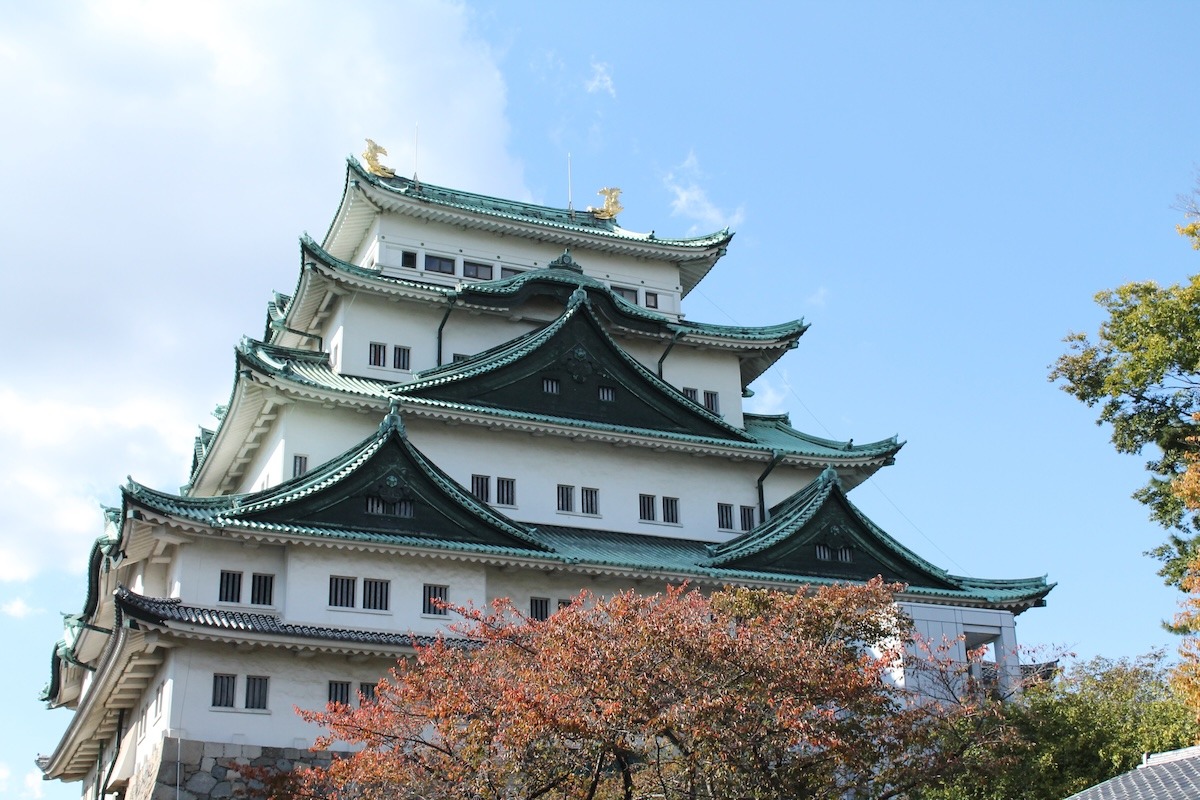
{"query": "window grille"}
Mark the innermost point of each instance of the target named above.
(339, 692)
(589, 501)
(725, 516)
(539, 607)
(385, 508)
(256, 691)
(506, 491)
(670, 508)
(401, 357)
(646, 507)
(608, 394)
(691, 394)
(566, 497)
(376, 594)
(366, 694)
(231, 587)
(749, 517)
(824, 552)
(550, 385)
(480, 485)
(224, 688)
(434, 596)
(299, 465)
(712, 401)
(341, 591)
(262, 589)
(378, 355)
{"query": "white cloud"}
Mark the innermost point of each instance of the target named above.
(33, 785)
(601, 80)
(768, 397)
(817, 299)
(691, 200)
(16, 608)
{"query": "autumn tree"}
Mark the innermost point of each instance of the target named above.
(741, 694)
(1143, 371)
(1090, 723)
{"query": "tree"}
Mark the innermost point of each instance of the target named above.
(741, 694)
(1090, 723)
(1143, 370)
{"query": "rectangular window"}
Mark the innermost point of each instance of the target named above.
(224, 688)
(256, 691)
(749, 516)
(608, 394)
(566, 497)
(231, 587)
(401, 357)
(408, 259)
(824, 552)
(387, 508)
(625, 292)
(299, 465)
(589, 500)
(506, 491)
(341, 591)
(550, 385)
(339, 692)
(378, 356)
(539, 608)
(671, 510)
(691, 394)
(725, 516)
(646, 507)
(712, 402)
(460, 357)
(262, 589)
(433, 598)
(376, 594)
(480, 486)
(508, 272)
(439, 264)
(651, 299)
(474, 269)
(366, 694)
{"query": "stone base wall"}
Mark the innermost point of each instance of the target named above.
(190, 770)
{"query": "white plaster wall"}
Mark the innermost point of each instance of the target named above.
(700, 369)
(201, 563)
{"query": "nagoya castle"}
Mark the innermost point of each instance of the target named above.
(463, 398)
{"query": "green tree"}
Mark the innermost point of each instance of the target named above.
(1090, 723)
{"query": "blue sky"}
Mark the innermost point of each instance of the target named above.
(938, 188)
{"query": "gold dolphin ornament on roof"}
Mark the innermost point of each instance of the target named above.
(611, 205)
(371, 156)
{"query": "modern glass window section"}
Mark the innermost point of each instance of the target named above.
(224, 690)
(256, 691)
(712, 401)
(480, 485)
(725, 516)
(566, 497)
(339, 692)
(670, 509)
(589, 501)
(433, 597)
(376, 593)
(749, 517)
(299, 465)
(506, 491)
(341, 591)
(474, 269)
(262, 589)
(401, 357)
(646, 503)
(539, 608)
(439, 264)
(378, 355)
(230, 590)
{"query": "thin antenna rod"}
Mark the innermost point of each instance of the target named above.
(416, 149)
(570, 207)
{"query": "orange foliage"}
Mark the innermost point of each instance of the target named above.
(745, 693)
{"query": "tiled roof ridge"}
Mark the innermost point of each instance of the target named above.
(782, 423)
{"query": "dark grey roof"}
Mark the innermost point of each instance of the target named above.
(1174, 775)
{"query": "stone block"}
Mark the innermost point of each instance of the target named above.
(222, 789)
(251, 750)
(207, 763)
(189, 751)
(214, 749)
(233, 750)
(283, 765)
(219, 772)
(201, 783)
(164, 792)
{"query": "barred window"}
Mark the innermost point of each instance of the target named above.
(670, 507)
(401, 357)
(341, 591)
(231, 587)
(480, 485)
(589, 500)
(439, 264)
(712, 401)
(506, 491)
(339, 692)
(725, 516)
(262, 589)
(550, 385)
(299, 465)
(474, 269)
(378, 354)
(608, 394)
(824, 552)
(566, 497)
(749, 517)
(256, 691)
(224, 688)
(386, 508)
(691, 394)
(366, 694)
(376, 594)
(434, 596)
(539, 607)
(408, 259)
(646, 507)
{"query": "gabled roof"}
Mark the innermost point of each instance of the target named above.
(382, 490)
(1174, 775)
(366, 195)
(578, 355)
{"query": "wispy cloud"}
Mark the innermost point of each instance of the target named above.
(16, 608)
(601, 80)
(691, 199)
(33, 785)
(817, 299)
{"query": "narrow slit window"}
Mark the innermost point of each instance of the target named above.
(401, 357)
(539, 608)
(749, 517)
(589, 501)
(434, 596)
(646, 503)
(691, 394)
(376, 594)
(670, 509)
(339, 692)
(378, 354)
(299, 465)
(550, 385)
(608, 394)
(566, 497)
(506, 491)
(341, 591)
(224, 690)
(262, 589)
(231, 587)
(712, 401)
(256, 691)
(366, 694)
(480, 484)
(725, 516)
